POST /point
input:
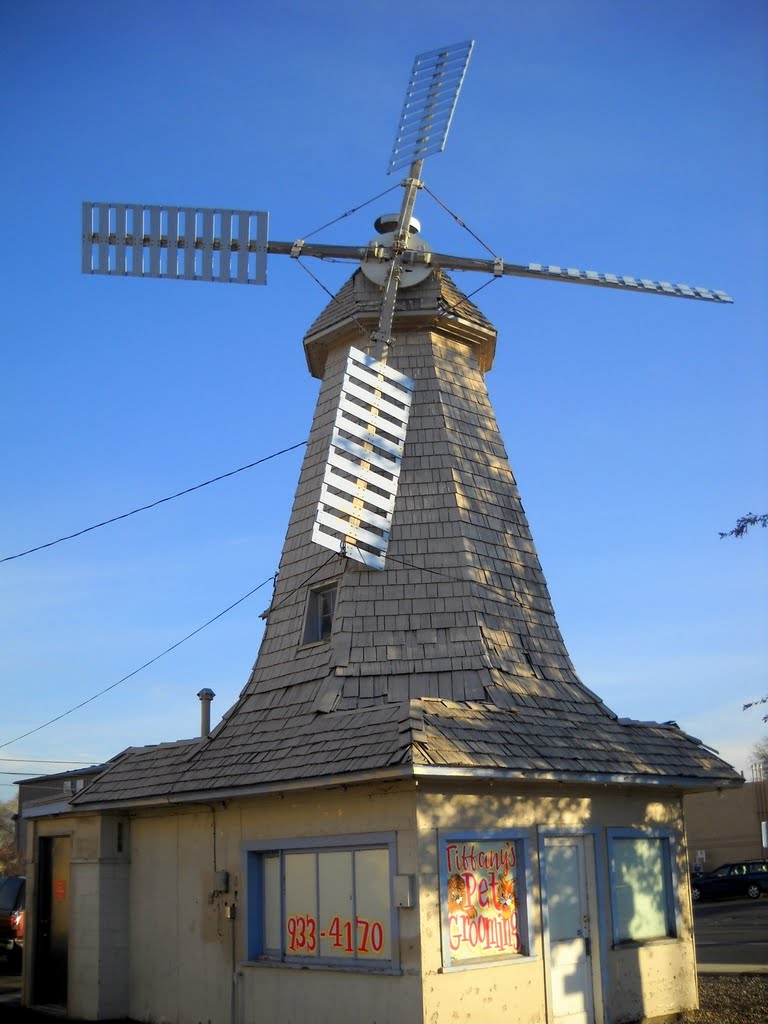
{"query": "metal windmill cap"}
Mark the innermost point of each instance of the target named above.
(387, 222)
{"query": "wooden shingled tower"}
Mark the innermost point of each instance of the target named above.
(451, 655)
(450, 658)
(461, 611)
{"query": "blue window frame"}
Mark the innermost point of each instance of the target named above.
(323, 902)
(644, 884)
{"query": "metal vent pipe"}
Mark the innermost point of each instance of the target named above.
(206, 695)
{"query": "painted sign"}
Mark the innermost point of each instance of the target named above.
(480, 901)
(366, 938)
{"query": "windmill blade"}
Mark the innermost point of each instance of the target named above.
(642, 284)
(430, 101)
(354, 513)
(190, 243)
(573, 276)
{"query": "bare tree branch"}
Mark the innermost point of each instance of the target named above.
(754, 703)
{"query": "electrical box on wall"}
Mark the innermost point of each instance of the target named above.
(221, 881)
(403, 889)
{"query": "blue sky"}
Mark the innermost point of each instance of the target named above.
(616, 137)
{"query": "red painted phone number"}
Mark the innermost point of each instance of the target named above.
(365, 937)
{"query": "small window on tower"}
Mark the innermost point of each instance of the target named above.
(319, 618)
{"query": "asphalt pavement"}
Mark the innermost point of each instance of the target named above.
(10, 991)
(731, 936)
(10, 987)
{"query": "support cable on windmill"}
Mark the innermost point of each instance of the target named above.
(354, 514)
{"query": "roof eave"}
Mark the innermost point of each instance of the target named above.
(682, 782)
(261, 789)
(419, 772)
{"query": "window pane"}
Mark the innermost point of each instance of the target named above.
(336, 905)
(326, 606)
(321, 906)
(319, 616)
(373, 904)
(301, 932)
(641, 889)
(271, 889)
(564, 898)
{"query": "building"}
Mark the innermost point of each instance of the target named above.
(727, 825)
(416, 811)
(49, 794)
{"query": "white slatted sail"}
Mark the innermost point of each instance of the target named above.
(683, 291)
(354, 513)
(430, 101)
(109, 241)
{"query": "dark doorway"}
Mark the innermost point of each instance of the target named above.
(52, 937)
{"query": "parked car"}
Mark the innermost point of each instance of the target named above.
(12, 890)
(744, 878)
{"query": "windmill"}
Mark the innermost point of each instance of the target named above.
(354, 512)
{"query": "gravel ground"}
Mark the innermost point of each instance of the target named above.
(731, 999)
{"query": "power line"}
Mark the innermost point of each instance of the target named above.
(154, 504)
(43, 760)
(422, 568)
(270, 610)
(136, 670)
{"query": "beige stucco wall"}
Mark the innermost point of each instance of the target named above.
(659, 977)
(98, 909)
(181, 964)
(188, 964)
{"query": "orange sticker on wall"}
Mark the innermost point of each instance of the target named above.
(60, 889)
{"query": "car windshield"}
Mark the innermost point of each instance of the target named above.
(9, 890)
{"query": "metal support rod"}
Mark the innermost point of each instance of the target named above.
(412, 185)
(441, 260)
(413, 257)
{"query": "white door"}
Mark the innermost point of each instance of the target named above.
(569, 952)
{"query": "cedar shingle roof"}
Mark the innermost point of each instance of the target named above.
(451, 656)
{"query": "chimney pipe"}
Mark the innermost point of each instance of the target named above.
(206, 695)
